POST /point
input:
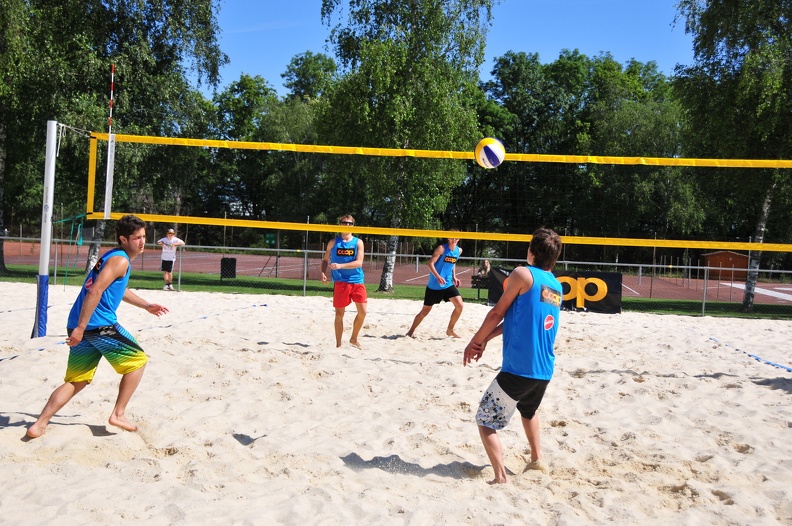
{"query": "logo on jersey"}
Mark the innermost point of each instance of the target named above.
(549, 321)
(450, 259)
(551, 296)
(345, 252)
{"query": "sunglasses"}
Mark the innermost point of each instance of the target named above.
(349, 223)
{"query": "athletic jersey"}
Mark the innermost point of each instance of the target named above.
(530, 327)
(445, 267)
(169, 248)
(105, 312)
(346, 252)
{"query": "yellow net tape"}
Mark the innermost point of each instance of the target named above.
(445, 154)
(414, 232)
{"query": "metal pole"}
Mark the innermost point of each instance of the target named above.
(40, 324)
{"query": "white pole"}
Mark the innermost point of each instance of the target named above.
(40, 326)
(111, 143)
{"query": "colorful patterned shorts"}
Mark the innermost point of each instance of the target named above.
(114, 343)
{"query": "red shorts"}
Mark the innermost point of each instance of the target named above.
(346, 293)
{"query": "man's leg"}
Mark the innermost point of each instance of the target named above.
(57, 400)
(126, 389)
(419, 318)
(492, 444)
(357, 324)
(458, 304)
(339, 325)
(532, 433)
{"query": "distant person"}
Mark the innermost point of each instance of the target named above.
(169, 244)
(442, 285)
(527, 317)
(94, 332)
(484, 269)
(344, 257)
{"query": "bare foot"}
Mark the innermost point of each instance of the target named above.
(123, 423)
(536, 465)
(410, 334)
(356, 344)
(452, 333)
(498, 481)
(35, 431)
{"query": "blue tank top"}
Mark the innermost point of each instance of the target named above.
(105, 312)
(445, 267)
(346, 252)
(530, 327)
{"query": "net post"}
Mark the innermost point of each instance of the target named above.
(42, 281)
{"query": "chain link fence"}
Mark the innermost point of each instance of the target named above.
(669, 287)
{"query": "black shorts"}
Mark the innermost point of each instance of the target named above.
(527, 391)
(166, 266)
(433, 297)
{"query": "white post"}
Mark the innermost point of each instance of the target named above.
(40, 325)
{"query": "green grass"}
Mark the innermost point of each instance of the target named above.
(712, 308)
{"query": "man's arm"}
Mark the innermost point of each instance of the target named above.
(326, 259)
(113, 268)
(154, 308)
(520, 281)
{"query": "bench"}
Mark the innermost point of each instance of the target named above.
(479, 282)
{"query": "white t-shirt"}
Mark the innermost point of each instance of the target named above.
(169, 247)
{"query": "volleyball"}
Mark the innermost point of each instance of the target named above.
(489, 152)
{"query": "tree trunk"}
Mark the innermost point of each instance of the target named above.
(756, 255)
(96, 245)
(386, 280)
(3, 269)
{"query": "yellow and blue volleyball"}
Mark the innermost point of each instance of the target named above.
(489, 152)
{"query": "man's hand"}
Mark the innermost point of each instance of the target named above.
(473, 352)
(75, 337)
(156, 309)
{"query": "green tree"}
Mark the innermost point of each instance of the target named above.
(242, 107)
(631, 112)
(59, 65)
(308, 75)
(408, 66)
(738, 98)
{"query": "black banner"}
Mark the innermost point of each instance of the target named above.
(585, 291)
(591, 291)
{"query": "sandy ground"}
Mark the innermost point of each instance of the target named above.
(248, 414)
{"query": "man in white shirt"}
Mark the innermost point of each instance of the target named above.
(169, 244)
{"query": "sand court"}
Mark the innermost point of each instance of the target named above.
(248, 414)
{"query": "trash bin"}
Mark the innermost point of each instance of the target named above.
(227, 268)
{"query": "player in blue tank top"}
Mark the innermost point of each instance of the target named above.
(94, 332)
(527, 317)
(442, 285)
(344, 257)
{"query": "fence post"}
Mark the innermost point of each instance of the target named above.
(704, 288)
(305, 273)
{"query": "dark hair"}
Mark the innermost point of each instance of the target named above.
(127, 226)
(545, 247)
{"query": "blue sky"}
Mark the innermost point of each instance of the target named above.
(261, 37)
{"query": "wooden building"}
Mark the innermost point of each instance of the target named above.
(727, 265)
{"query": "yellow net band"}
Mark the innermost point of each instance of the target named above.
(445, 154)
(414, 232)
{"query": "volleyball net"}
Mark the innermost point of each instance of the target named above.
(117, 139)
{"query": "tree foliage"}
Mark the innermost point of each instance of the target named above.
(738, 96)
